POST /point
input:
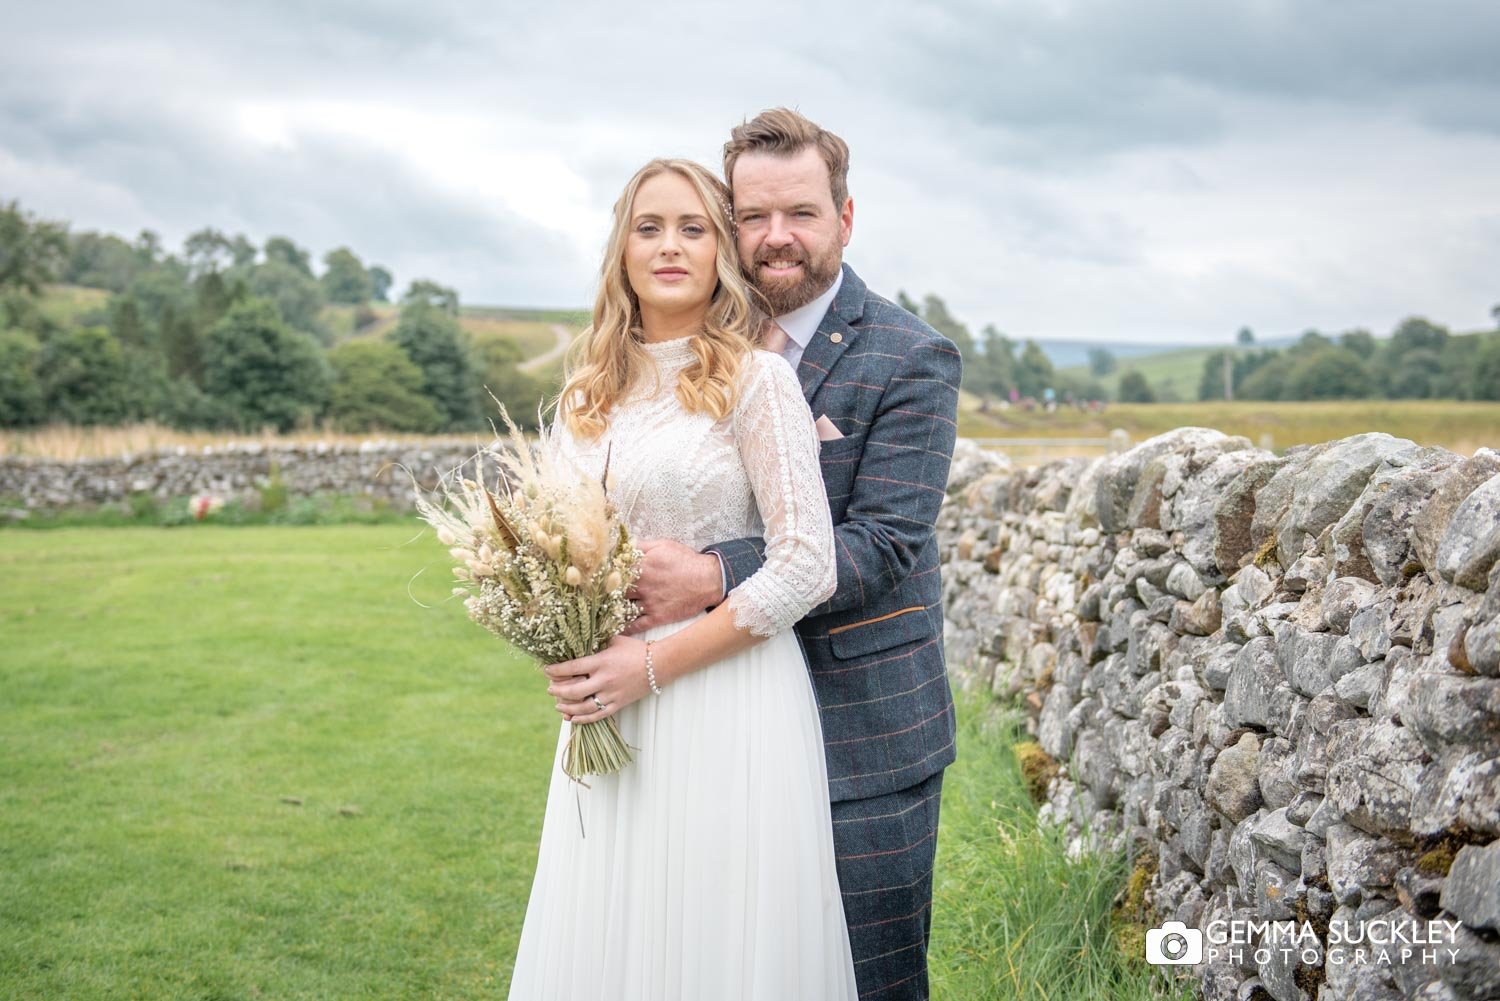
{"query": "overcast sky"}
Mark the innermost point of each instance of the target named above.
(1111, 170)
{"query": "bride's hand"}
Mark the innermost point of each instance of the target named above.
(616, 676)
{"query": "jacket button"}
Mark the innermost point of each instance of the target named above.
(836, 337)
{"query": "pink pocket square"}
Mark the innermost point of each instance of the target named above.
(826, 430)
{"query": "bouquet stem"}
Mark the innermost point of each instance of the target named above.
(595, 749)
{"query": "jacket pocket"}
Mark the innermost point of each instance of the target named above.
(841, 447)
(880, 632)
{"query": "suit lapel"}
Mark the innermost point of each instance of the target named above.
(835, 333)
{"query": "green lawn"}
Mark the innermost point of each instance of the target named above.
(243, 763)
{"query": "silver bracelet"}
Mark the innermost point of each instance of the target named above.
(651, 670)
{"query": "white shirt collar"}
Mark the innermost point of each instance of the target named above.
(801, 323)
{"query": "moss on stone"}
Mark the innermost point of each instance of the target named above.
(1038, 768)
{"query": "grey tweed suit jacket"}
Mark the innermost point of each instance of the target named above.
(889, 383)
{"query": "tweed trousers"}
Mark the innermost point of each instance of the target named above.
(885, 846)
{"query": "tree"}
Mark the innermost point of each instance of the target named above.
(1486, 374)
(127, 325)
(212, 298)
(935, 312)
(1415, 375)
(1328, 374)
(182, 346)
(1135, 389)
(1245, 337)
(84, 378)
(32, 251)
(1270, 379)
(907, 303)
(1309, 343)
(21, 400)
(242, 252)
(1361, 342)
(101, 261)
(280, 248)
(497, 359)
(344, 278)
(380, 283)
(1102, 361)
(206, 252)
(430, 293)
(157, 289)
(264, 373)
(994, 371)
(148, 249)
(433, 340)
(376, 387)
(1034, 373)
(296, 294)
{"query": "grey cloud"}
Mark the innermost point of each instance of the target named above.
(1071, 79)
(323, 193)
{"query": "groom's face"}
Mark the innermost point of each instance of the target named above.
(791, 236)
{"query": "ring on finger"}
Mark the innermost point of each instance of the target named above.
(602, 705)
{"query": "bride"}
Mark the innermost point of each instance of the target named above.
(705, 869)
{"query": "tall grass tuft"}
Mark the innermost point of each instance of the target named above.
(1014, 917)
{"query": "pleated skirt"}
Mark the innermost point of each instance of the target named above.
(704, 871)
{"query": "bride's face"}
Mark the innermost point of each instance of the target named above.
(671, 251)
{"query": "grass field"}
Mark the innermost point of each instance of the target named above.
(1458, 425)
(67, 305)
(531, 329)
(1174, 373)
(244, 763)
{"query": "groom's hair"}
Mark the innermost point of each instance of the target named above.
(784, 132)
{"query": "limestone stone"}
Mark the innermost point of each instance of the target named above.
(971, 462)
(1277, 838)
(1117, 479)
(1458, 788)
(1233, 786)
(1304, 659)
(1472, 891)
(1252, 680)
(1456, 709)
(1431, 521)
(1374, 786)
(1471, 545)
(1330, 484)
(1238, 511)
(1343, 598)
(1359, 864)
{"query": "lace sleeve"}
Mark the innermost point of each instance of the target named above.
(773, 431)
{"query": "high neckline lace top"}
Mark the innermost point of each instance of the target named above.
(700, 481)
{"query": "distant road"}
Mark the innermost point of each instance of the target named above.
(564, 338)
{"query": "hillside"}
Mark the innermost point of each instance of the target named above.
(1174, 373)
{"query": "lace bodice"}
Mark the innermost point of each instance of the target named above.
(698, 481)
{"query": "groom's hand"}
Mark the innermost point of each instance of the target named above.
(676, 582)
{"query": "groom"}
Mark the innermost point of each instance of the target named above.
(883, 387)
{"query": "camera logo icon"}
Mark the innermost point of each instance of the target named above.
(1174, 944)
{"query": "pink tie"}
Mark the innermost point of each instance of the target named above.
(773, 338)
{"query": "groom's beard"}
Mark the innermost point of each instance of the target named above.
(786, 294)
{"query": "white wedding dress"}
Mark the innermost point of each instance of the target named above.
(704, 871)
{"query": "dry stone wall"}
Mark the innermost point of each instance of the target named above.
(233, 472)
(1276, 679)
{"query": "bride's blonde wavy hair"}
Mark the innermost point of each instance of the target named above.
(608, 355)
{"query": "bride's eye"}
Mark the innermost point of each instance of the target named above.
(646, 228)
(693, 229)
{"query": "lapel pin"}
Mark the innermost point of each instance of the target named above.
(836, 337)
